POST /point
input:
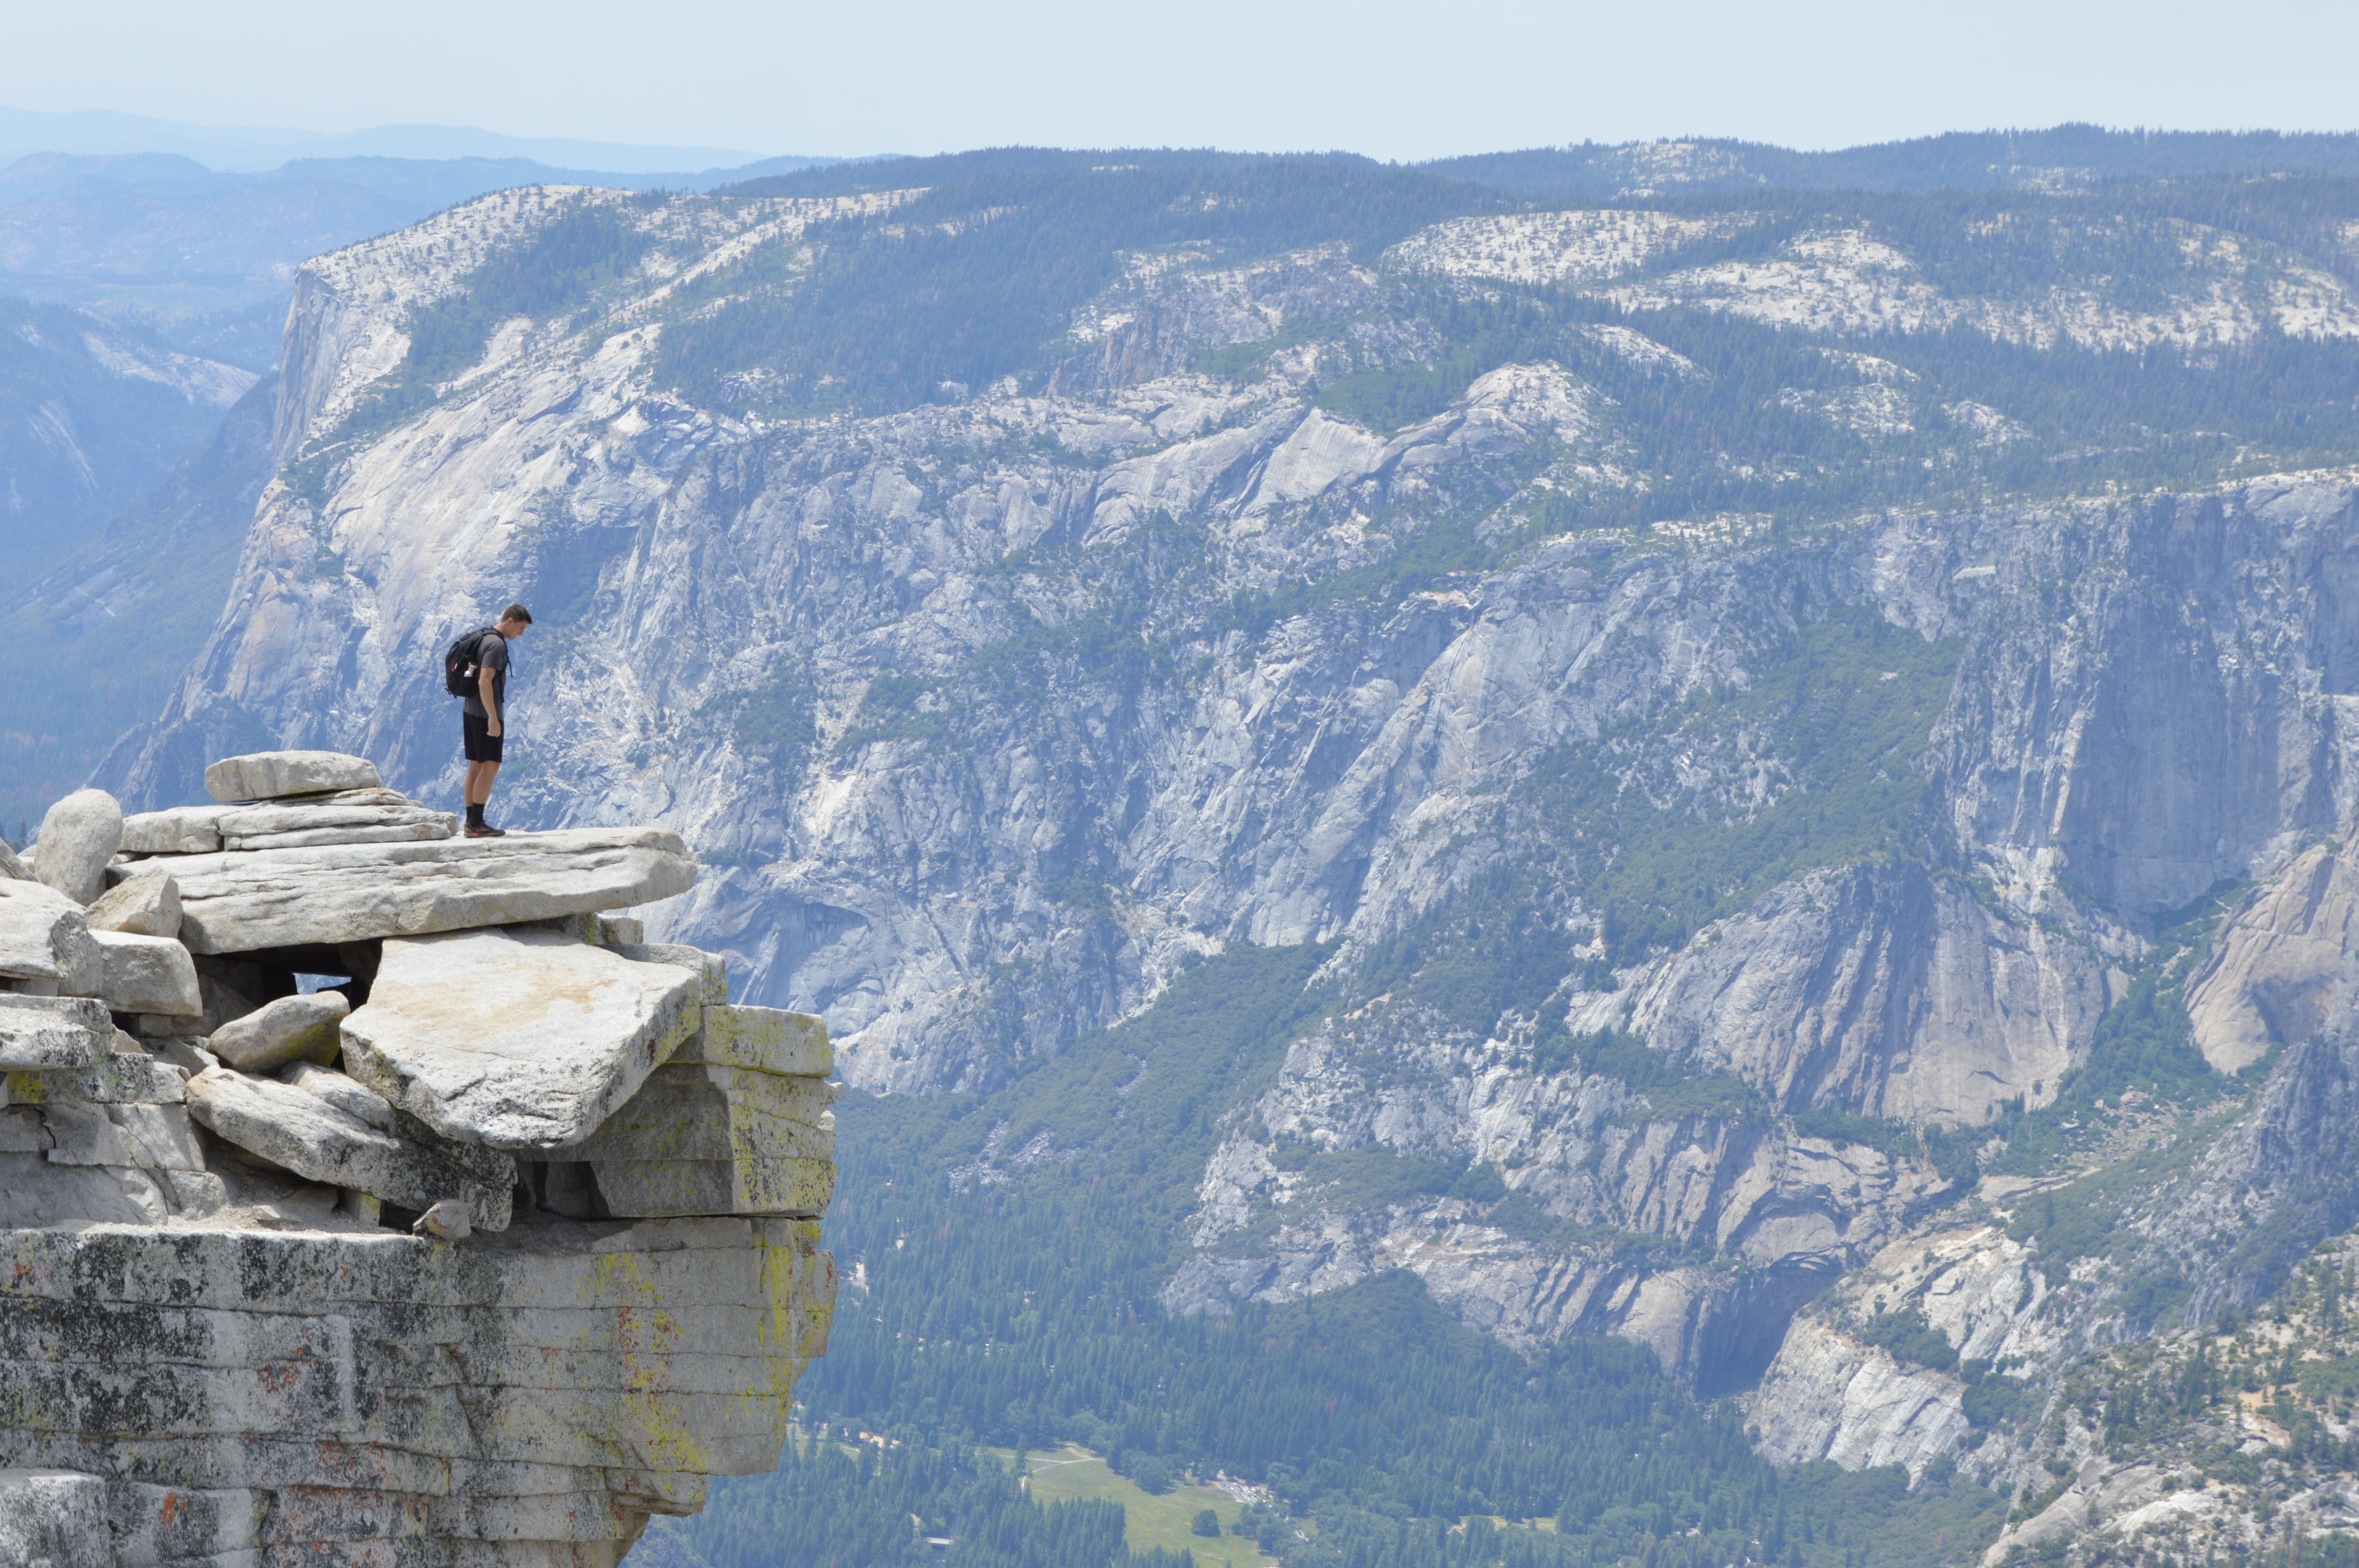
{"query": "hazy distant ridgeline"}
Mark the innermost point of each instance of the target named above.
(205, 257)
(164, 236)
(2061, 158)
(253, 148)
(2064, 156)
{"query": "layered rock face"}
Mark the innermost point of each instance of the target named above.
(2182, 1220)
(1786, 1213)
(762, 630)
(991, 713)
(488, 1239)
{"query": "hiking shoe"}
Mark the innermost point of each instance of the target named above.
(485, 830)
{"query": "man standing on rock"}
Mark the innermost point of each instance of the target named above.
(484, 721)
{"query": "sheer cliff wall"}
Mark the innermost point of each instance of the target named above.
(987, 715)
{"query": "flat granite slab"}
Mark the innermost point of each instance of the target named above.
(654, 1188)
(263, 775)
(146, 973)
(55, 1518)
(703, 1112)
(134, 1078)
(46, 1033)
(45, 936)
(239, 902)
(182, 830)
(762, 1040)
(523, 1041)
(318, 1140)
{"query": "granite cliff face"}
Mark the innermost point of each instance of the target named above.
(1273, 789)
(482, 1249)
(988, 716)
(2019, 1332)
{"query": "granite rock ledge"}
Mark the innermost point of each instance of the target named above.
(229, 1335)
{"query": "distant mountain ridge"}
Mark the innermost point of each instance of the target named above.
(203, 255)
(192, 230)
(253, 148)
(2062, 157)
(41, 175)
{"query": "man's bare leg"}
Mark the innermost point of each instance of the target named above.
(479, 781)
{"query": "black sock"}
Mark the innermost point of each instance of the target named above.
(474, 817)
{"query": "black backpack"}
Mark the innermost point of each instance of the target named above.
(458, 667)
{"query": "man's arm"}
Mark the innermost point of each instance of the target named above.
(485, 684)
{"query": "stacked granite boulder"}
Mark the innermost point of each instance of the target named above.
(371, 1194)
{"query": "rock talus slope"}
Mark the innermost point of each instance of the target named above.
(261, 1314)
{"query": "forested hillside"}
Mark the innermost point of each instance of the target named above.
(1019, 1310)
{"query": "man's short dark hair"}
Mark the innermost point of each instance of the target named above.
(516, 612)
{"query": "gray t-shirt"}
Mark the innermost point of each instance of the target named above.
(491, 654)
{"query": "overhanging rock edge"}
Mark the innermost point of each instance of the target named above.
(208, 1353)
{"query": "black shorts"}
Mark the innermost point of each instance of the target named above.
(480, 745)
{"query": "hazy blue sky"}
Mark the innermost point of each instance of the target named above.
(1379, 76)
